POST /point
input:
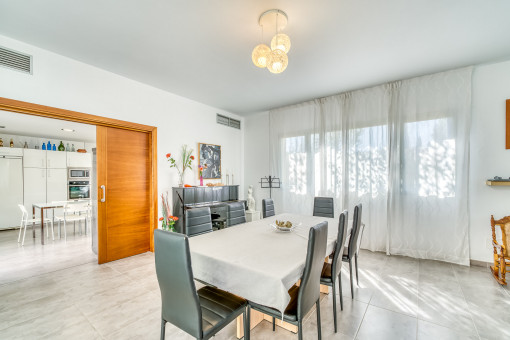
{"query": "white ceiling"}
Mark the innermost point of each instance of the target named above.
(201, 49)
(33, 126)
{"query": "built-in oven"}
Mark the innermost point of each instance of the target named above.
(78, 173)
(78, 190)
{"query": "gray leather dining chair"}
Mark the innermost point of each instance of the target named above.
(198, 221)
(267, 207)
(353, 248)
(199, 313)
(323, 207)
(331, 272)
(308, 293)
(236, 213)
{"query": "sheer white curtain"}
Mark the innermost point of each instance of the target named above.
(400, 149)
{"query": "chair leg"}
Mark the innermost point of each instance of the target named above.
(350, 277)
(300, 330)
(318, 304)
(163, 324)
(247, 324)
(52, 231)
(274, 324)
(356, 264)
(340, 290)
(24, 233)
(334, 305)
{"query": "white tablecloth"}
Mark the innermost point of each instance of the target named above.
(253, 261)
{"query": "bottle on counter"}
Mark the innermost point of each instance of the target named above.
(11, 144)
(54, 147)
(67, 147)
(43, 146)
(72, 148)
(61, 147)
(48, 146)
(26, 145)
(1, 143)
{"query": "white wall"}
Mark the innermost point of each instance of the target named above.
(68, 84)
(256, 151)
(488, 156)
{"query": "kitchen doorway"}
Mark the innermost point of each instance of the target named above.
(120, 244)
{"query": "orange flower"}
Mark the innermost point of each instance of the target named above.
(175, 218)
(192, 157)
(161, 218)
(168, 155)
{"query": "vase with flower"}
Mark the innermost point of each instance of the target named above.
(167, 220)
(200, 174)
(185, 160)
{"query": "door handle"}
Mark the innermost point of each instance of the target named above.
(103, 188)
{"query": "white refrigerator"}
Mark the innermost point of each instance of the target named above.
(11, 191)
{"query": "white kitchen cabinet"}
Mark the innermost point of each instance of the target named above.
(56, 185)
(34, 187)
(79, 160)
(34, 158)
(56, 159)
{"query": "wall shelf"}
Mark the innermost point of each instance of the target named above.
(490, 182)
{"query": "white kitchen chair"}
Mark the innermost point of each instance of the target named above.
(25, 220)
(74, 212)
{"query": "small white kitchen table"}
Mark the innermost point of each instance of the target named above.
(256, 262)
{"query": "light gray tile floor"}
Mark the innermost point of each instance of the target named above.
(397, 298)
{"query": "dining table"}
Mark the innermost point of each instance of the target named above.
(42, 207)
(256, 261)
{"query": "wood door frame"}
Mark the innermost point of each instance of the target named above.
(17, 106)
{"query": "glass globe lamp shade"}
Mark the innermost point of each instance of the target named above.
(261, 55)
(281, 42)
(278, 62)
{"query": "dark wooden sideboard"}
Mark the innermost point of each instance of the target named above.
(216, 198)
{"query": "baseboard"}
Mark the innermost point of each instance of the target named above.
(480, 263)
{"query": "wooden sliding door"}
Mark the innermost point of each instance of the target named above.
(124, 193)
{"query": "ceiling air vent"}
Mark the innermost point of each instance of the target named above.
(15, 60)
(224, 120)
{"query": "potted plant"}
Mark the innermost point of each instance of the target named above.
(186, 158)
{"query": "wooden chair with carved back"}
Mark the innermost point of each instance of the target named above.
(501, 251)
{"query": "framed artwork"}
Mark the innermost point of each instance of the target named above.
(209, 156)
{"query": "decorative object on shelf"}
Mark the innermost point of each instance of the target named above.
(48, 146)
(209, 155)
(11, 144)
(167, 220)
(61, 147)
(186, 159)
(72, 148)
(43, 146)
(81, 151)
(25, 146)
(273, 58)
(271, 182)
(54, 147)
(250, 200)
(1, 143)
(201, 174)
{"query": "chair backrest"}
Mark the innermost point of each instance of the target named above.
(236, 213)
(336, 265)
(323, 207)
(180, 303)
(355, 232)
(309, 290)
(75, 207)
(23, 210)
(267, 207)
(198, 221)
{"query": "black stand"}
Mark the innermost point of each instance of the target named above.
(271, 182)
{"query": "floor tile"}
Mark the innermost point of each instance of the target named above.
(383, 324)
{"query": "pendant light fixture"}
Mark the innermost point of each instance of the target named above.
(274, 58)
